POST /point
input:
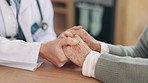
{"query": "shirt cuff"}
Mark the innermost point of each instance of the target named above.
(104, 47)
(25, 66)
(89, 65)
(27, 59)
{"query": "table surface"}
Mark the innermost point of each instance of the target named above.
(47, 73)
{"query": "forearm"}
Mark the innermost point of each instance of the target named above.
(133, 51)
(120, 50)
(116, 69)
(139, 50)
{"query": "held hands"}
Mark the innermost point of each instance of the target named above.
(87, 43)
(88, 39)
(53, 52)
(74, 44)
(77, 53)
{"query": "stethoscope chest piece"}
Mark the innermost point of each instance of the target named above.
(44, 25)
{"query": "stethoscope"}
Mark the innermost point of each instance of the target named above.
(42, 24)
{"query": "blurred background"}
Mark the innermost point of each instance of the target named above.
(110, 21)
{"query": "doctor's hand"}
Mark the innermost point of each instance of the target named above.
(88, 39)
(77, 53)
(53, 52)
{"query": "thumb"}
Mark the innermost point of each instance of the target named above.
(68, 41)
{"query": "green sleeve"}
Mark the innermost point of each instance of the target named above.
(124, 64)
(139, 50)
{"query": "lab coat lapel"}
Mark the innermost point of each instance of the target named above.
(8, 17)
(24, 5)
(25, 18)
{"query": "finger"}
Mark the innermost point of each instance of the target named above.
(68, 34)
(79, 38)
(69, 52)
(69, 41)
(62, 36)
(76, 27)
(80, 32)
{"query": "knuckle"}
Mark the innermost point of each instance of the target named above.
(60, 65)
(66, 32)
(61, 36)
(62, 60)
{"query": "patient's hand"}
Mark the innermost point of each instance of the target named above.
(77, 53)
(53, 52)
(88, 39)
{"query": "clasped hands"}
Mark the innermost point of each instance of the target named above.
(74, 44)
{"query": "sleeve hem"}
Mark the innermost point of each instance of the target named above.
(88, 68)
(104, 47)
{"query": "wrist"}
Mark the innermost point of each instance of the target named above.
(104, 47)
(89, 65)
(97, 46)
(42, 50)
(87, 53)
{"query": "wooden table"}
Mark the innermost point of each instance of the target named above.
(47, 73)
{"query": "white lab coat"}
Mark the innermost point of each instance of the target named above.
(17, 53)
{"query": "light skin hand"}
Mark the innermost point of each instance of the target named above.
(67, 33)
(77, 53)
(53, 52)
(88, 39)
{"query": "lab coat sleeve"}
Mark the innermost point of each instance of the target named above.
(19, 54)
